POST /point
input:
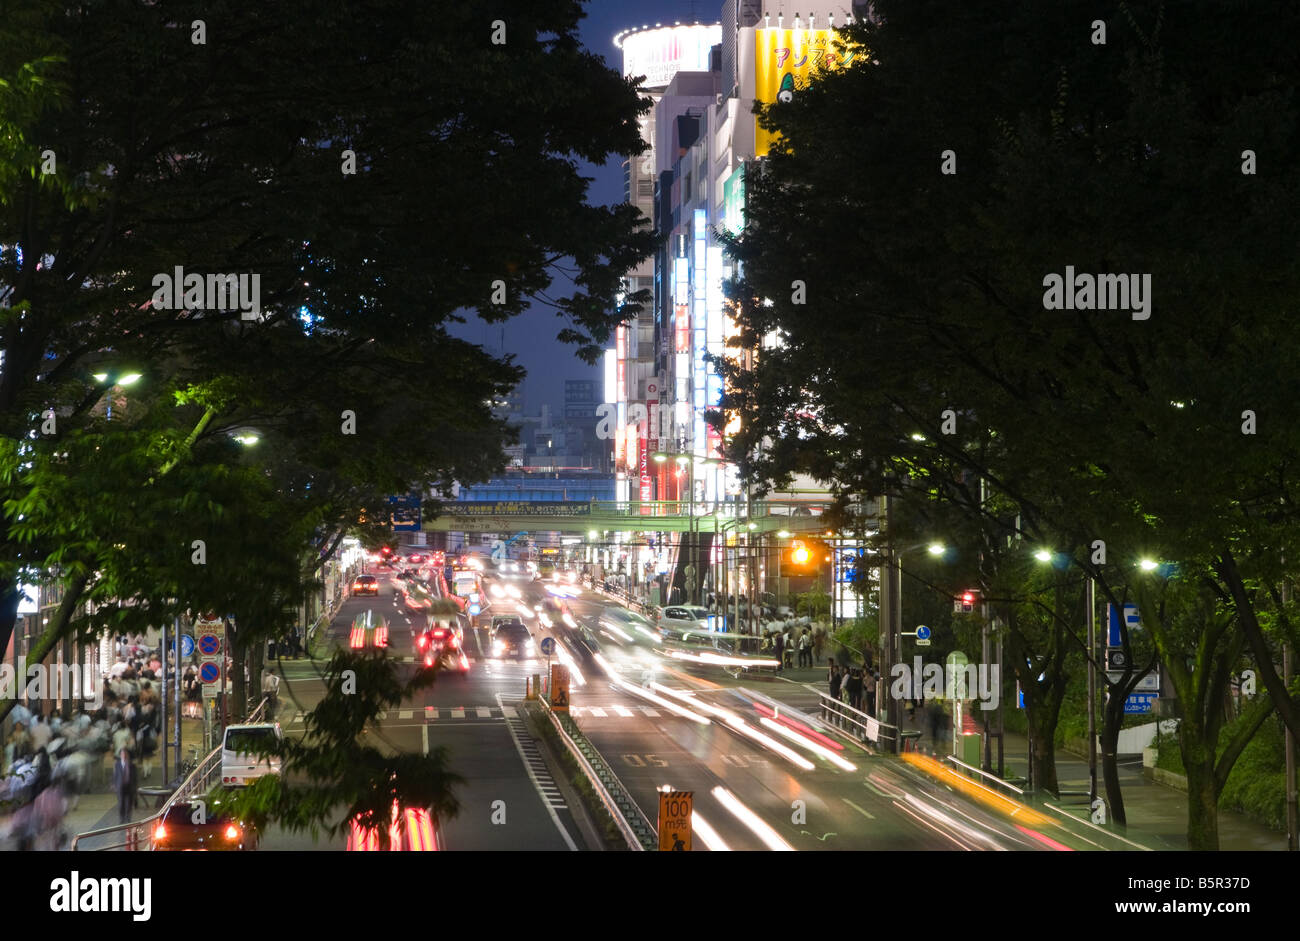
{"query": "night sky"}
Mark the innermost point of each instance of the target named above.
(531, 337)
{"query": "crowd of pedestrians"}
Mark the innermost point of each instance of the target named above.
(855, 686)
(50, 761)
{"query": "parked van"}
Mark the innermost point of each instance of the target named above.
(240, 763)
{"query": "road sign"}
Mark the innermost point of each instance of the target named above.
(187, 645)
(548, 645)
(1139, 704)
(559, 687)
(675, 820)
(474, 609)
(1131, 619)
(209, 644)
(209, 671)
(922, 636)
(1146, 684)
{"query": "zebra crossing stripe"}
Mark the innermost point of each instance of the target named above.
(484, 712)
(652, 713)
(596, 711)
(458, 712)
(624, 711)
(406, 714)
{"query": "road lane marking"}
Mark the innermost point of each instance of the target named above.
(458, 712)
(576, 711)
(484, 712)
(405, 713)
(877, 791)
(596, 711)
(652, 713)
(430, 712)
(867, 814)
(623, 711)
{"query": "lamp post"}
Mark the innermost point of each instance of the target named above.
(112, 379)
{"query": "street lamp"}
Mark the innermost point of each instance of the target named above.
(112, 378)
(936, 548)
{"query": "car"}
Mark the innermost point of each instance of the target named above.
(511, 639)
(413, 830)
(629, 626)
(678, 619)
(201, 825)
(241, 763)
(415, 558)
(442, 644)
(553, 612)
(368, 630)
(365, 585)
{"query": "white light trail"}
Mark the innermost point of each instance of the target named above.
(771, 839)
(807, 743)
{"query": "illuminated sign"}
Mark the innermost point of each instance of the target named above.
(659, 54)
(682, 322)
(784, 61)
(733, 201)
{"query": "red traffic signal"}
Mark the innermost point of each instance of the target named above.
(966, 603)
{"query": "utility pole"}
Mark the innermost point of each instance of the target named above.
(1092, 690)
(1292, 838)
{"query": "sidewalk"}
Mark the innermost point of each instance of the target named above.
(98, 807)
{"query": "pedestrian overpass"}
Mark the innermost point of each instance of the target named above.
(662, 516)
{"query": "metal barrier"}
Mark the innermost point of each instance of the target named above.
(971, 769)
(632, 824)
(135, 835)
(861, 726)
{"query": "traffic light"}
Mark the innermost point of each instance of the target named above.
(800, 554)
(966, 603)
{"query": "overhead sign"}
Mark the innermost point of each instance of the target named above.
(404, 511)
(675, 820)
(516, 508)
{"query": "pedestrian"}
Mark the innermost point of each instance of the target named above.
(125, 782)
(270, 691)
(779, 645)
(869, 691)
(295, 643)
(40, 731)
(805, 649)
(835, 681)
(787, 644)
(935, 716)
(855, 689)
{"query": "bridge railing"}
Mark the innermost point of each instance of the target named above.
(713, 508)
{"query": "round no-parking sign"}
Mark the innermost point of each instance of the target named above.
(209, 644)
(209, 673)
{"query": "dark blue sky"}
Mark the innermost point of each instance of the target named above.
(531, 336)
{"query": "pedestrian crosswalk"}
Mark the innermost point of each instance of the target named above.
(431, 713)
(435, 713)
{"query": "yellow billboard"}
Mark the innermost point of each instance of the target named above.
(784, 60)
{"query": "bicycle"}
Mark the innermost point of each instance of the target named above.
(190, 764)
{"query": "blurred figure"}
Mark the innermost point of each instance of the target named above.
(125, 783)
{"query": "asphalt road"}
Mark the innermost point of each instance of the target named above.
(503, 805)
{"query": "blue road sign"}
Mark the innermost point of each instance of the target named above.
(548, 645)
(187, 645)
(1139, 704)
(475, 609)
(209, 644)
(1131, 618)
(209, 672)
(922, 632)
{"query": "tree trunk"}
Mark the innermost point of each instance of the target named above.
(1042, 735)
(1112, 718)
(1202, 795)
(238, 705)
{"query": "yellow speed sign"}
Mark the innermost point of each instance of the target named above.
(675, 820)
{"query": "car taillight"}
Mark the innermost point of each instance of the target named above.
(428, 660)
(424, 640)
(232, 832)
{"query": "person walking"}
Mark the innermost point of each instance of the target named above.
(125, 782)
(271, 691)
(855, 689)
(779, 644)
(836, 679)
(805, 648)
(934, 714)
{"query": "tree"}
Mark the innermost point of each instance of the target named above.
(465, 200)
(1156, 424)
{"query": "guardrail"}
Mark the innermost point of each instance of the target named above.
(136, 834)
(861, 726)
(987, 776)
(632, 824)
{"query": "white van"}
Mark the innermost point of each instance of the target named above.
(240, 763)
